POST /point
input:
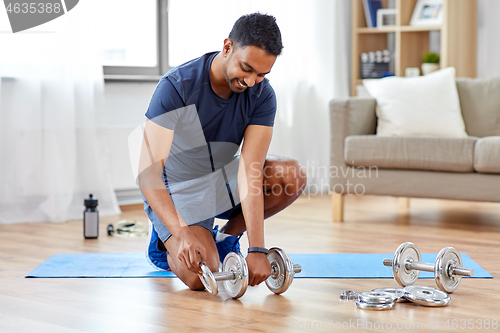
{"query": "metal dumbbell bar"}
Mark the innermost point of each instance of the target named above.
(235, 274)
(448, 270)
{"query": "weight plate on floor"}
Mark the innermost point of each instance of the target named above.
(375, 306)
(208, 280)
(281, 271)
(235, 262)
(376, 297)
(398, 293)
(427, 296)
(406, 252)
(445, 259)
(348, 295)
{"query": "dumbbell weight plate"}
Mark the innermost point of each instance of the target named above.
(235, 262)
(375, 306)
(427, 296)
(398, 293)
(282, 271)
(208, 280)
(446, 258)
(406, 251)
(376, 297)
(348, 295)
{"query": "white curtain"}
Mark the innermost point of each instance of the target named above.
(52, 152)
(312, 70)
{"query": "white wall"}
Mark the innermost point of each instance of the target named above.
(488, 38)
(125, 103)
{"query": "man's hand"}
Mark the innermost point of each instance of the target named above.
(191, 250)
(259, 268)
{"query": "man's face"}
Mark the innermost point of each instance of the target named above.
(245, 66)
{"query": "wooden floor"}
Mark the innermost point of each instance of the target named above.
(372, 225)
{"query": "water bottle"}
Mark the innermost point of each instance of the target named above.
(90, 218)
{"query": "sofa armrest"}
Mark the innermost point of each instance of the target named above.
(351, 116)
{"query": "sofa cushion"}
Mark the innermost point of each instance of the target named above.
(422, 153)
(487, 155)
(418, 106)
(480, 104)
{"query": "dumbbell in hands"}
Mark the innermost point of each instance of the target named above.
(235, 274)
(448, 270)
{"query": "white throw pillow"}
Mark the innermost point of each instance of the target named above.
(425, 105)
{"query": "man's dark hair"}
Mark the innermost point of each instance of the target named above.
(259, 30)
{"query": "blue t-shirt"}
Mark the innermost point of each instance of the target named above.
(208, 129)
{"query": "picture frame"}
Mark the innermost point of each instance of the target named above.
(386, 17)
(427, 13)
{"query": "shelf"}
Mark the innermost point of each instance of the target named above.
(360, 81)
(455, 40)
(376, 30)
(411, 28)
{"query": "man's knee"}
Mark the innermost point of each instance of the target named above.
(294, 178)
(192, 280)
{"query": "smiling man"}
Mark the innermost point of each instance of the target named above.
(190, 170)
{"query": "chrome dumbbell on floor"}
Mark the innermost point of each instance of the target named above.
(235, 274)
(448, 270)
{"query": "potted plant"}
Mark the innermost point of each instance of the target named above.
(430, 62)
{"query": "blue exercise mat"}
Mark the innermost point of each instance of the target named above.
(135, 265)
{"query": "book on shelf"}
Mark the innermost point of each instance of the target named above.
(371, 7)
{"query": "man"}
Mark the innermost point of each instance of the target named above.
(190, 171)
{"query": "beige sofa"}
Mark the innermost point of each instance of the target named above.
(424, 167)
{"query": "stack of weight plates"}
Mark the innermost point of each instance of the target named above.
(375, 300)
(385, 298)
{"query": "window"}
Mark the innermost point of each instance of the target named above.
(134, 39)
(199, 26)
(143, 39)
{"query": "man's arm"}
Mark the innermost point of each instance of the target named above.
(250, 181)
(155, 149)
